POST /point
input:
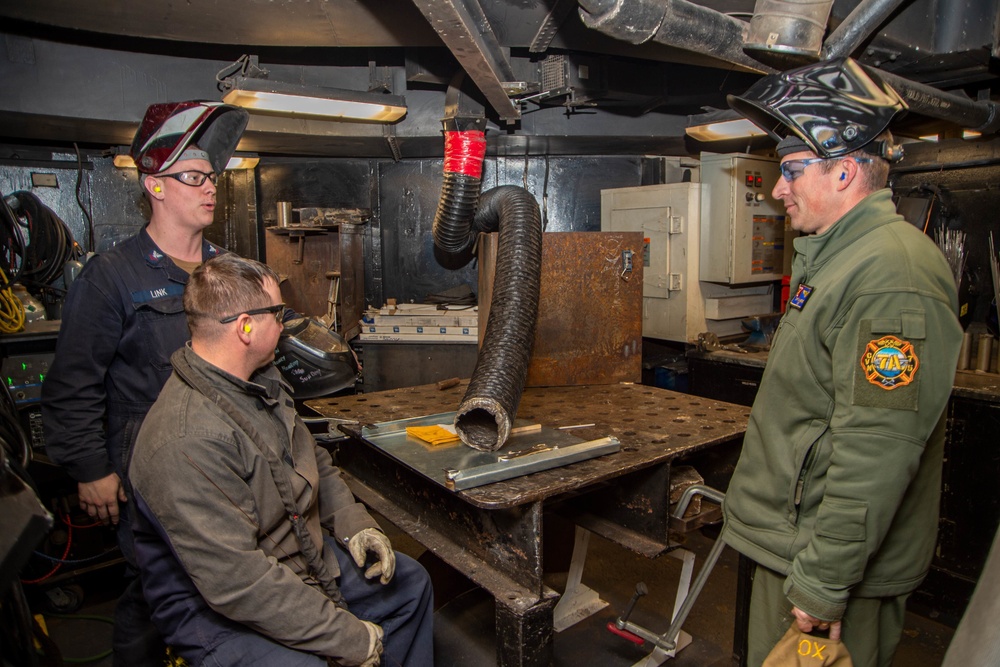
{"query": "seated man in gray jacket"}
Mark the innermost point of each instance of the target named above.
(251, 546)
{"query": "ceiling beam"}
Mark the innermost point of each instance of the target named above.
(465, 30)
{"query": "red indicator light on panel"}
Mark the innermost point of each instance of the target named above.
(749, 180)
(759, 181)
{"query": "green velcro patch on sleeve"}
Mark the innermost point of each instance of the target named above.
(887, 374)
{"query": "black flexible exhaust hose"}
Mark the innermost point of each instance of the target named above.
(487, 411)
(456, 208)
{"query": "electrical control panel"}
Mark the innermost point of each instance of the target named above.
(24, 374)
(25, 359)
(742, 226)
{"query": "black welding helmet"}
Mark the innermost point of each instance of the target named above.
(313, 360)
(834, 106)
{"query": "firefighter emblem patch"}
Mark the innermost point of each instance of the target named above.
(889, 363)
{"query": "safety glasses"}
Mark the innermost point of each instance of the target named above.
(276, 310)
(792, 169)
(192, 178)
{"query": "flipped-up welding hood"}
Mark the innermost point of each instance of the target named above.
(313, 360)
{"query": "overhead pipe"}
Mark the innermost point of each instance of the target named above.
(788, 32)
(676, 23)
(486, 413)
(863, 20)
(981, 116)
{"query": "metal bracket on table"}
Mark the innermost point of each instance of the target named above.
(539, 457)
(331, 423)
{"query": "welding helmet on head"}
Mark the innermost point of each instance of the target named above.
(834, 106)
(168, 129)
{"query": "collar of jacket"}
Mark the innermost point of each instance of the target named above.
(156, 257)
(266, 384)
(870, 213)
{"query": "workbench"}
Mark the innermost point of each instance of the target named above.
(493, 534)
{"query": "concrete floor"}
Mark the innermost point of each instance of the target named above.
(464, 625)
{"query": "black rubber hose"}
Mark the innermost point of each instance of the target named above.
(487, 411)
(455, 211)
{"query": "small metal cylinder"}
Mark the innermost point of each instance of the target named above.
(965, 352)
(284, 213)
(985, 353)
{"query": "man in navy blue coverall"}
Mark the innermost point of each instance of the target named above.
(122, 320)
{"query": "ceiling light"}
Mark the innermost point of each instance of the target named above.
(289, 99)
(739, 128)
(125, 161)
(242, 162)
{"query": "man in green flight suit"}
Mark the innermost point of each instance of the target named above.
(836, 493)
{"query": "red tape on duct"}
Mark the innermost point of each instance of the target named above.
(464, 152)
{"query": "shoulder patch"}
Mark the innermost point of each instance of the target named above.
(801, 296)
(889, 362)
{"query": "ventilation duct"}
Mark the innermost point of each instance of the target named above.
(675, 23)
(787, 33)
(681, 24)
(487, 410)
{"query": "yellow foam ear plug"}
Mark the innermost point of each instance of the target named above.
(246, 328)
(157, 188)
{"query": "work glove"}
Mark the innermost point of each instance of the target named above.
(374, 643)
(371, 539)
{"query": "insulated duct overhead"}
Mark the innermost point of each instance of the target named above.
(789, 33)
(676, 23)
(681, 24)
(785, 33)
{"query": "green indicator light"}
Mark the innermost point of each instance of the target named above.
(10, 381)
(41, 377)
(24, 366)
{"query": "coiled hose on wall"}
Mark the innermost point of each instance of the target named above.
(487, 411)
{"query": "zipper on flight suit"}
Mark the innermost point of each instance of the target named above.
(800, 484)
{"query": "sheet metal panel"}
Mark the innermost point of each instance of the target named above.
(589, 327)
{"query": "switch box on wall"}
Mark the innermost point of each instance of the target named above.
(742, 226)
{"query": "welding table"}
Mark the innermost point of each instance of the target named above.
(493, 534)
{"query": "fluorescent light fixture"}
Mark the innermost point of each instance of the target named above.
(288, 99)
(124, 161)
(242, 162)
(740, 128)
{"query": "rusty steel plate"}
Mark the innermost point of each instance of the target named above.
(589, 326)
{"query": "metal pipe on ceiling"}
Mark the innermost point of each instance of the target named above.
(863, 20)
(981, 116)
(787, 32)
(676, 23)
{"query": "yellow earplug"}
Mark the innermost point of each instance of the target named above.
(246, 328)
(157, 188)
